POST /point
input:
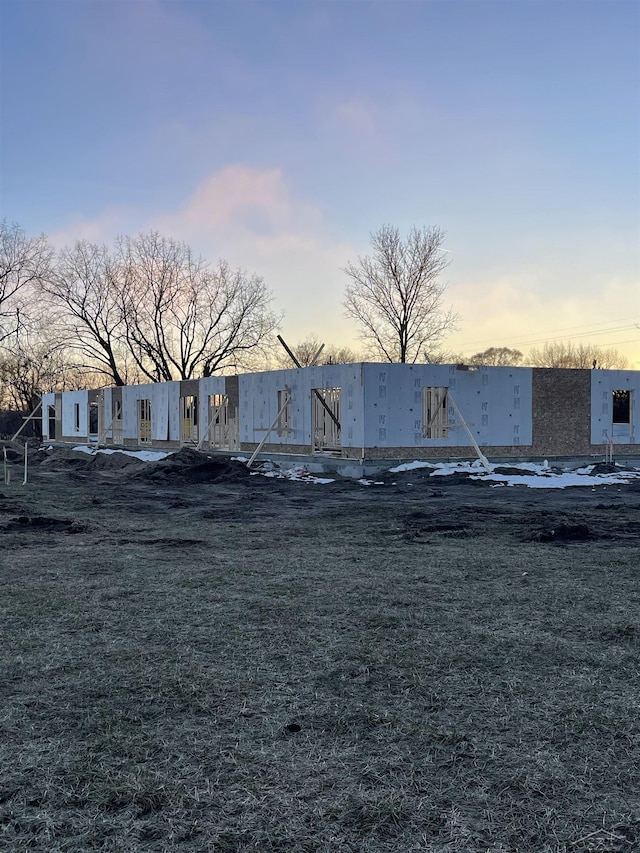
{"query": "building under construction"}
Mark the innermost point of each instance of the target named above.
(362, 415)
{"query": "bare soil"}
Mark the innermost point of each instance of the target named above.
(197, 658)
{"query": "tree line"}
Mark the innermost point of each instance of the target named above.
(148, 309)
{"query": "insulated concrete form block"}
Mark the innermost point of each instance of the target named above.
(349, 378)
(207, 387)
(75, 413)
(258, 394)
(603, 428)
(165, 410)
(495, 403)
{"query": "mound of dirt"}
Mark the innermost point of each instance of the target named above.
(510, 471)
(63, 459)
(606, 468)
(192, 467)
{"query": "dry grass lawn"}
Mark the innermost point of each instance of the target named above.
(241, 664)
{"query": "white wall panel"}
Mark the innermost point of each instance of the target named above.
(165, 410)
(69, 401)
(603, 384)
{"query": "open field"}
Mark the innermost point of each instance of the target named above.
(197, 659)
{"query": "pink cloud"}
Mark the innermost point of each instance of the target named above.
(239, 201)
(357, 118)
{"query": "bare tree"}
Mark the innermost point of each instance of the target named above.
(86, 283)
(24, 262)
(395, 295)
(306, 349)
(149, 309)
(586, 356)
(33, 361)
(183, 318)
(499, 356)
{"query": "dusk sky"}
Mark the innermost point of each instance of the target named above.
(278, 135)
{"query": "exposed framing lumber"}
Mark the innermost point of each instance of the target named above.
(483, 459)
(315, 390)
(26, 420)
(212, 420)
(284, 405)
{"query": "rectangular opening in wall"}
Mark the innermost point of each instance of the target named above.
(51, 417)
(189, 420)
(284, 413)
(144, 421)
(76, 417)
(93, 418)
(435, 415)
(621, 415)
(218, 426)
(622, 407)
(325, 418)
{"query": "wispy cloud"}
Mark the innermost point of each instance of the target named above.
(253, 219)
(358, 118)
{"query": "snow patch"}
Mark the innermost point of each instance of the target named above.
(534, 476)
(300, 475)
(143, 455)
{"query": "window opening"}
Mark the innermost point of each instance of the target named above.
(93, 418)
(144, 421)
(189, 419)
(435, 412)
(76, 417)
(622, 407)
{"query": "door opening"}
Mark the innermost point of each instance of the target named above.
(325, 419)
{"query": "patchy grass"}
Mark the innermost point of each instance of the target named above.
(326, 680)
